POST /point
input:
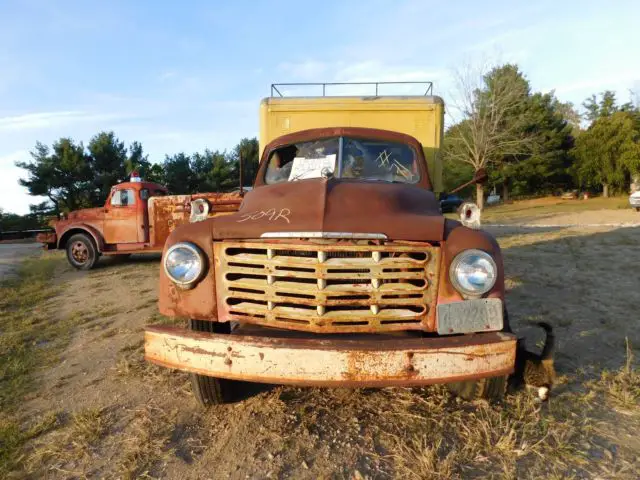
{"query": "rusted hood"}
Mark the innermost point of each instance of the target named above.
(402, 212)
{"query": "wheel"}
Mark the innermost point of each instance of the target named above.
(81, 252)
(637, 209)
(490, 388)
(210, 390)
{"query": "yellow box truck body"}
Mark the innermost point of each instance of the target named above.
(422, 117)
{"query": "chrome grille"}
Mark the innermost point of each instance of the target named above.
(327, 286)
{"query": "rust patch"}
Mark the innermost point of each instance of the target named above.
(167, 213)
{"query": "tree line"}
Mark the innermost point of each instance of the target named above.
(72, 175)
(530, 143)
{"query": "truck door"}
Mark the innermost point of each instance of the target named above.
(121, 224)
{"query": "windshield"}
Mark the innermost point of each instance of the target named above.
(344, 157)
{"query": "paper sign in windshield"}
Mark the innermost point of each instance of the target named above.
(311, 167)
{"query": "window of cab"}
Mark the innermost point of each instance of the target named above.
(123, 198)
(145, 193)
(345, 158)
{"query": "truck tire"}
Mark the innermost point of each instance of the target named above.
(82, 253)
(490, 388)
(210, 390)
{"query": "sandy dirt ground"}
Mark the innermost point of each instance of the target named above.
(584, 281)
(623, 217)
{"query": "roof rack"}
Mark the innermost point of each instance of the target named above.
(275, 87)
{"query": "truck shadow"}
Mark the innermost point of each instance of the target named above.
(108, 261)
(581, 281)
(505, 231)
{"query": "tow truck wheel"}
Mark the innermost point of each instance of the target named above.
(81, 252)
(490, 388)
(210, 390)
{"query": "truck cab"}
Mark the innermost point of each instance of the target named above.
(126, 212)
(137, 217)
(338, 269)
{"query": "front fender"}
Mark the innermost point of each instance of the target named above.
(69, 230)
(198, 302)
(457, 239)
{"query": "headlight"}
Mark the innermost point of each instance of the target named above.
(473, 272)
(184, 264)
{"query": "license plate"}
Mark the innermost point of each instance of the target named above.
(469, 316)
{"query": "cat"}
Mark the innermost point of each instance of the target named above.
(536, 371)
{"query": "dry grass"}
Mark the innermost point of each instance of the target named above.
(485, 441)
(623, 386)
(70, 449)
(89, 426)
(436, 436)
(132, 365)
(29, 339)
(13, 437)
(147, 441)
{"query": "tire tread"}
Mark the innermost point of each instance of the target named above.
(489, 388)
(210, 390)
(91, 246)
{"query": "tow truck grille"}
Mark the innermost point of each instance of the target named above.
(328, 286)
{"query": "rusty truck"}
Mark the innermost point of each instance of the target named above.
(338, 269)
(137, 217)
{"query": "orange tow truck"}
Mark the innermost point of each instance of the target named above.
(137, 217)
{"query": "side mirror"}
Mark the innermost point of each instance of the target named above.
(470, 215)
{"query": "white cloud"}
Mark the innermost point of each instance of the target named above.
(10, 159)
(41, 120)
(354, 72)
(617, 81)
(307, 70)
(13, 197)
(35, 120)
(169, 74)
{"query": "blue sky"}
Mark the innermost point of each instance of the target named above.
(184, 76)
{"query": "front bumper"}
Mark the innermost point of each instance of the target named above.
(273, 356)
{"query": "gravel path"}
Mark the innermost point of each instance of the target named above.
(11, 254)
(591, 218)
